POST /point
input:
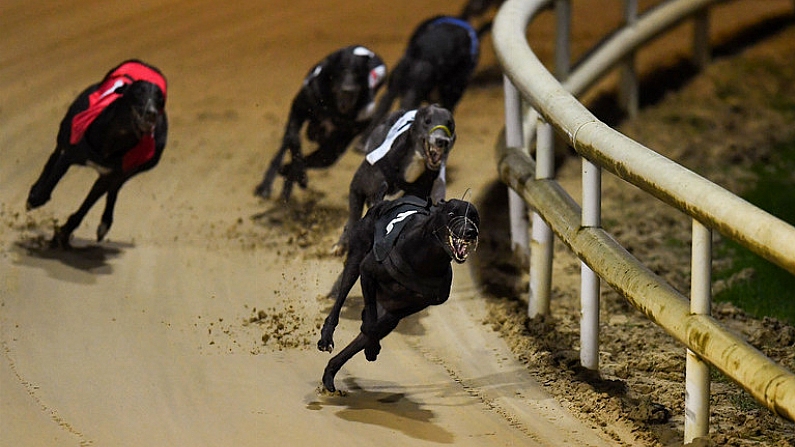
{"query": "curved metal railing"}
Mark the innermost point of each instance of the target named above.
(711, 206)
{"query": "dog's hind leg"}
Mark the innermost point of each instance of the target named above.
(355, 206)
(450, 93)
(336, 362)
(370, 344)
(328, 152)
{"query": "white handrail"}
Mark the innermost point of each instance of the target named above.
(708, 204)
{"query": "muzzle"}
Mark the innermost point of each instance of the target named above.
(437, 145)
(462, 238)
(146, 119)
(347, 94)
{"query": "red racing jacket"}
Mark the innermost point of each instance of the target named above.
(105, 94)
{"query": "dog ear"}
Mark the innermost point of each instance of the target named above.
(429, 203)
(120, 90)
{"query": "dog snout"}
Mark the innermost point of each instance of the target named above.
(442, 140)
(150, 115)
(347, 94)
(442, 143)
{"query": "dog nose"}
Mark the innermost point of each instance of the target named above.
(150, 115)
(442, 138)
(442, 143)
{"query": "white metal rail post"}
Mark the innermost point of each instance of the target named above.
(697, 370)
(697, 382)
(514, 138)
(542, 240)
(589, 280)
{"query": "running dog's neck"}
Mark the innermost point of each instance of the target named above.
(414, 168)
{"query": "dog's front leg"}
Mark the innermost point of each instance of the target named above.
(64, 233)
(370, 316)
(343, 285)
(290, 141)
(54, 170)
(114, 186)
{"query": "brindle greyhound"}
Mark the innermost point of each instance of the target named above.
(402, 251)
(337, 100)
(117, 126)
(406, 154)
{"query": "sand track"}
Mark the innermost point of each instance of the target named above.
(195, 322)
(155, 336)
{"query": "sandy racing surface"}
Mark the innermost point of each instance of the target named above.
(195, 322)
(155, 336)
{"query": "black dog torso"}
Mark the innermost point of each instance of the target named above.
(388, 231)
(391, 223)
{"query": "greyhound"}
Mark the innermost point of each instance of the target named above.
(401, 251)
(117, 126)
(406, 155)
(336, 99)
(436, 66)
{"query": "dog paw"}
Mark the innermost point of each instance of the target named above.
(61, 241)
(328, 381)
(263, 190)
(325, 345)
(102, 231)
(371, 351)
(35, 202)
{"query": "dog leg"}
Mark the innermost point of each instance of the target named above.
(266, 185)
(110, 205)
(53, 171)
(64, 233)
(369, 343)
(293, 172)
(290, 141)
(355, 206)
(329, 151)
(450, 93)
(342, 286)
(370, 317)
(336, 362)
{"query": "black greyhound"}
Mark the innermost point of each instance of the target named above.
(117, 126)
(406, 154)
(402, 251)
(436, 66)
(337, 100)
